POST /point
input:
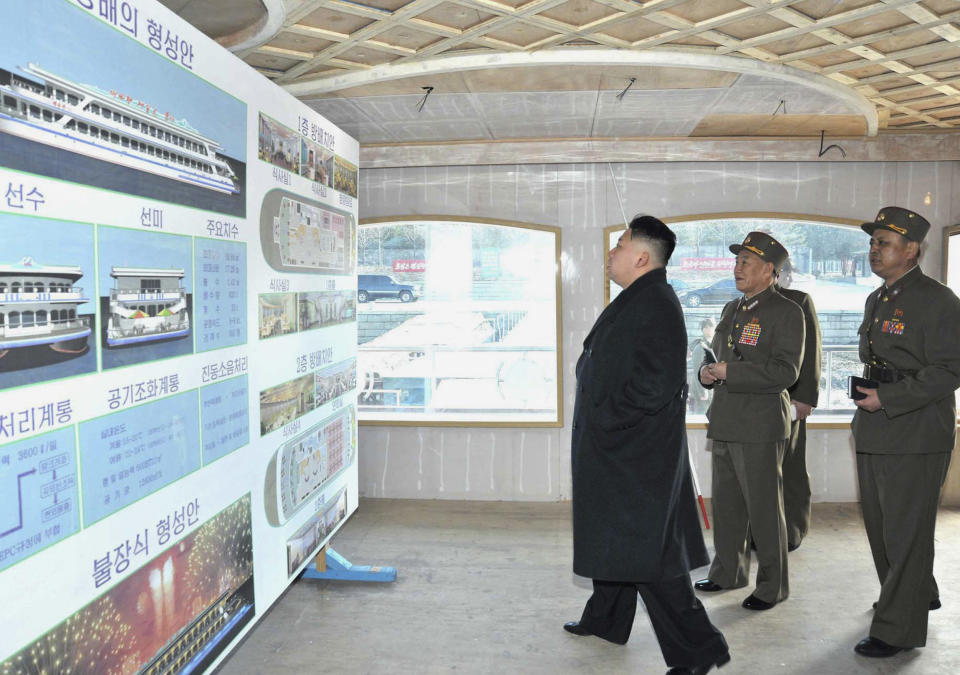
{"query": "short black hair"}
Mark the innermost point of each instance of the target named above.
(660, 237)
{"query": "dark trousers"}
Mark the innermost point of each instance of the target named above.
(686, 636)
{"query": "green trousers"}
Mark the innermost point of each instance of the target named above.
(748, 499)
(796, 484)
(899, 495)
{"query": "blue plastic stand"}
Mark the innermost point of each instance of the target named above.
(339, 567)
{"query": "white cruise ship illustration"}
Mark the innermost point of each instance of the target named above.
(38, 306)
(109, 126)
(146, 304)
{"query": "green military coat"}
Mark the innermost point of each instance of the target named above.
(912, 326)
(753, 406)
(807, 387)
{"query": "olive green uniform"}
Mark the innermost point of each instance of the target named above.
(761, 340)
(910, 336)
(796, 480)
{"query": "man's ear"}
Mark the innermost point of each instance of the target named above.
(643, 258)
(914, 248)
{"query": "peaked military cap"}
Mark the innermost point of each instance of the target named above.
(765, 246)
(904, 222)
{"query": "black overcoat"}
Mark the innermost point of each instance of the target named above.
(634, 509)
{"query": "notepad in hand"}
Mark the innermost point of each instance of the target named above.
(853, 382)
(708, 356)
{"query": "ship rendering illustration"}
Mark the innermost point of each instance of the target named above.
(38, 306)
(146, 304)
(110, 126)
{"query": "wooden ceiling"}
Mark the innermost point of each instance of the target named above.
(902, 55)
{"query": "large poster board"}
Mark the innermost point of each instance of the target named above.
(178, 430)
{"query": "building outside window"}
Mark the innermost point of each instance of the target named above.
(458, 322)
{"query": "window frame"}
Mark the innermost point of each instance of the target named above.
(558, 421)
(812, 423)
(948, 232)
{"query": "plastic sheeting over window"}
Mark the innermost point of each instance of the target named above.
(458, 323)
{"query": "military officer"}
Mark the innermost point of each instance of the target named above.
(904, 428)
(759, 347)
(804, 394)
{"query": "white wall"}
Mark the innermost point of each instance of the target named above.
(534, 464)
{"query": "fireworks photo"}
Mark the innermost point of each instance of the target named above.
(173, 615)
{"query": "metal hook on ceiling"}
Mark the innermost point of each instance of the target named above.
(423, 100)
(824, 150)
(625, 89)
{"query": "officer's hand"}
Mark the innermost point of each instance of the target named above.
(706, 377)
(718, 370)
(872, 401)
(803, 410)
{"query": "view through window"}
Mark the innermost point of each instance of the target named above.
(458, 323)
(829, 262)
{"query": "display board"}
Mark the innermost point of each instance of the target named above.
(178, 427)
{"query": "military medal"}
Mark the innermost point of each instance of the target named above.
(750, 334)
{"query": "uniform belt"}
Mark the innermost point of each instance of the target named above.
(886, 375)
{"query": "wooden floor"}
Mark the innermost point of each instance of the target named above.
(484, 587)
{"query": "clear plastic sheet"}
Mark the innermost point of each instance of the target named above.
(533, 463)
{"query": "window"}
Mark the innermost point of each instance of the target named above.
(951, 257)
(829, 259)
(458, 322)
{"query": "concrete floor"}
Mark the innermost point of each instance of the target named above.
(484, 587)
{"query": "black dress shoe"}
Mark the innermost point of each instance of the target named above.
(575, 628)
(708, 586)
(700, 670)
(792, 547)
(753, 602)
(877, 649)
